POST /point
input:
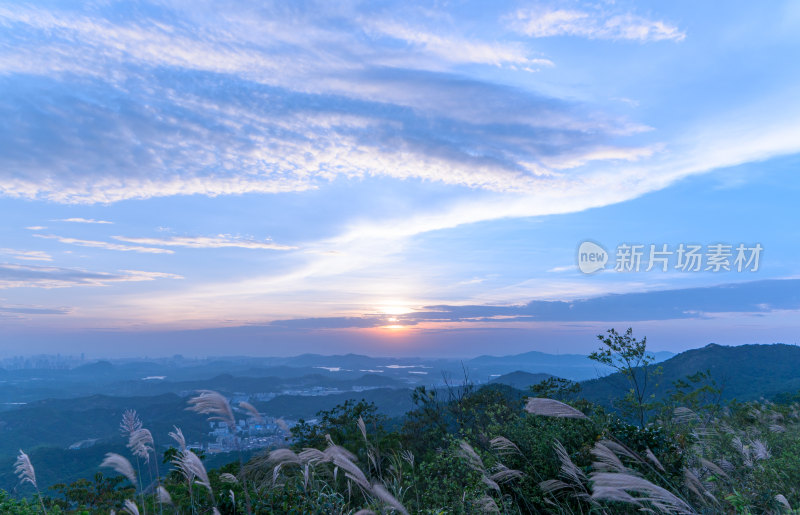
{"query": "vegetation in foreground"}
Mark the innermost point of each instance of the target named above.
(465, 450)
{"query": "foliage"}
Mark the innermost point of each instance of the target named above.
(629, 357)
(465, 449)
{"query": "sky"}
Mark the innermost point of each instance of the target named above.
(396, 178)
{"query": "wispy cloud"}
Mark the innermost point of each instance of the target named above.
(22, 311)
(287, 122)
(206, 242)
(24, 276)
(457, 49)
(36, 227)
(595, 24)
(83, 221)
(104, 245)
(28, 255)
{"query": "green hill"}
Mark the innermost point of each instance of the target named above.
(745, 372)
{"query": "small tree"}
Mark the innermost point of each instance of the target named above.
(556, 388)
(628, 356)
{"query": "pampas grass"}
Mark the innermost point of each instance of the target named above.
(120, 465)
(24, 470)
(130, 422)
(552, 408)
(502, 445)
(209, 402)
(192, 469)
(214, 404)
(163, 496)
(141, 444)
(619, 486)
(177, 435)
(253, 411)
(573, 480)
(338, 458)
(130, 507)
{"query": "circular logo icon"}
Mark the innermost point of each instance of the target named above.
(591, 257)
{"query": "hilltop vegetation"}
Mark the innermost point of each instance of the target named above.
(680, 445)
(745, 372)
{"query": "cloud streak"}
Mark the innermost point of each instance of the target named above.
(83, 221)
(27, 255)
(22, 311)
(24, 276)
(206, 242)
(104, 245)
(542, 23)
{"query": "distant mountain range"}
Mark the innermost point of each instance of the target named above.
(48, 410)
(300, 375)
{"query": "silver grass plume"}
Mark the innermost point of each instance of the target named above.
(339, 458)
(227, 477)
(277, 459)
(468, 452)
(130, 507)
(476, 463)
(130, 422)
(209, 402)
(502, 445)
(408, 457)
(606, 459)
(363, 428)
(714, 468)
(344, 459)
(141, 444)
(504, 474)
(623, 450)
(177, 435)
(694, 485)
(380, 492)
(163, 496)
(253, 411)
(24, 469)
(282, 424)
(552, 408)
(309, 455)
(121, 465)
(654, 460)
(684, 415)
(615, 486)
(781, 499)
(760, 450)
(574, 480)
(192, 469)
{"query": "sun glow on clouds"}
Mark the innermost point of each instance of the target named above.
(394, 308)
(316, 102)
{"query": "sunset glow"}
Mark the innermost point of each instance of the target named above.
(177, 175)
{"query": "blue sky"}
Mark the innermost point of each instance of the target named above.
(391, 177)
